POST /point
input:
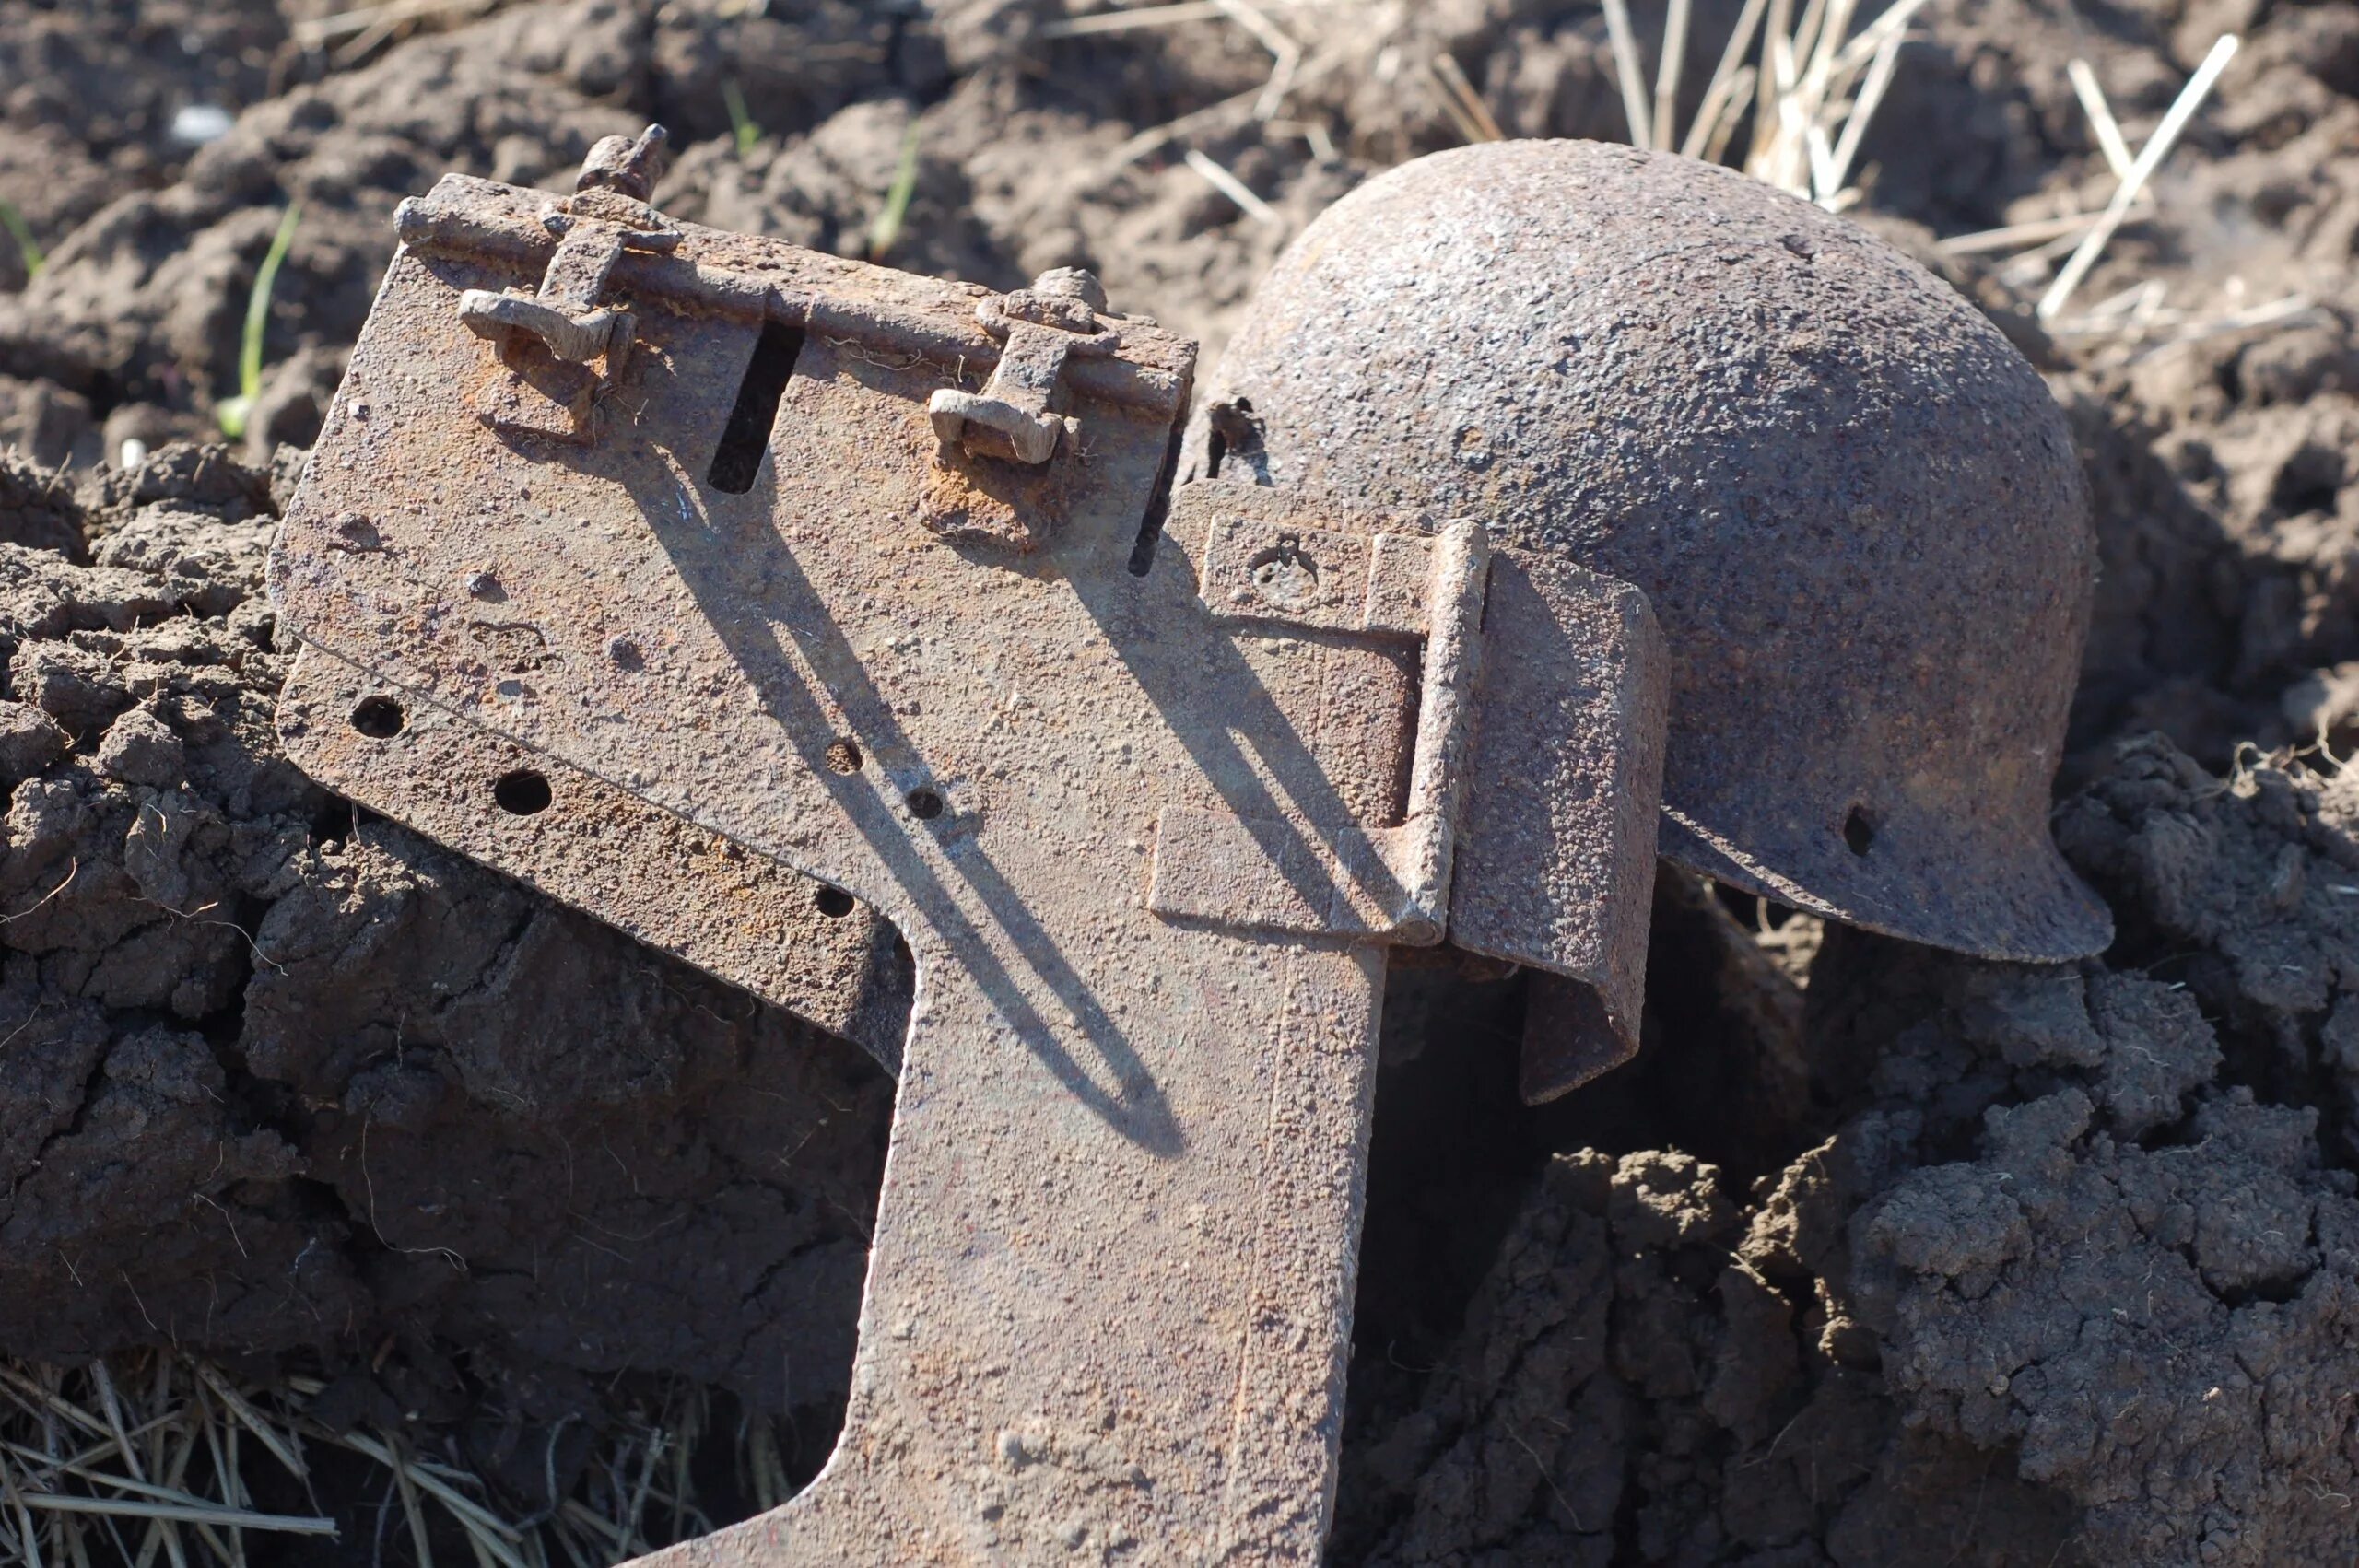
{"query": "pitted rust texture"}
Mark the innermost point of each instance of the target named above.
(790, 940)
(1556, 851)
(1145, 839)
(1109, 1293)
(1853, 505)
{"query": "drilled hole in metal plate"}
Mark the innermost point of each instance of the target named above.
(522, 792)
(1859, 830)
(833, 902)
(843, 756)
(379, 718)
(925, 804)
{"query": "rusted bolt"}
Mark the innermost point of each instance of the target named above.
(1072, 283)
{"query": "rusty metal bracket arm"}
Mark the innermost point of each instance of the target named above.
(738, 276)
(1261, 568)
(1427, 842)
(1046, 328)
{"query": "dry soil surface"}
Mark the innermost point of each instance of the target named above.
(1876, 1256)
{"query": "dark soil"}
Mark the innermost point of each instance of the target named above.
(1877, 1256)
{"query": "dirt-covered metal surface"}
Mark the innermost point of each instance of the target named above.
(1142, 808)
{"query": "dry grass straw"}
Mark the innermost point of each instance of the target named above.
(358, 33)
(1229, 185)
(1462, 103)
(149, 1459)
(2138, 318)
(2141, 169)
(1129, 21)
(1813, 94)
(1814, 90)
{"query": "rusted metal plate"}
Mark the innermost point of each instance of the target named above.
(1109, 1292)
(838, 574)
(1555, 853)
(1390, 880)
(809, 948)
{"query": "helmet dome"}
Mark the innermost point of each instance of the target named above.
(1854, 506)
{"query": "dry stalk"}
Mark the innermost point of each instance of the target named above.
(146, 1460)
(2150, 158)
(1674, 61)
(2102, 124)
(1229, 185)
(1629, 73)
(1464, 105)
(1813, 95)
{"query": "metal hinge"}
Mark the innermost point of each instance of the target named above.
(606, 214)
(1041, 327)
(1258, 569)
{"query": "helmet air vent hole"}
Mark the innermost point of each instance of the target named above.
(522, 792)
(1859, 830)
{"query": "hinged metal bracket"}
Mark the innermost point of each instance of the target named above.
(606, 214)
(1388, 882)
(1042, 327)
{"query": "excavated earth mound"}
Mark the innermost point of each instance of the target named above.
(1875, 1256)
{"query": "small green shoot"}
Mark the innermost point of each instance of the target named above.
(22, 233)
(886, 231)
(233, 412)
(740, 122)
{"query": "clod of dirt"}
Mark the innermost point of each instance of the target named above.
(2072, 1276)
(151, 294)
(37, 508)
(96, 93)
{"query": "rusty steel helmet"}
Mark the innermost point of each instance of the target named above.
(1855, 507)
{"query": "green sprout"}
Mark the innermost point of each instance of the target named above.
(22, 233)
(233, 412)
(741, 122)
(886, 230)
